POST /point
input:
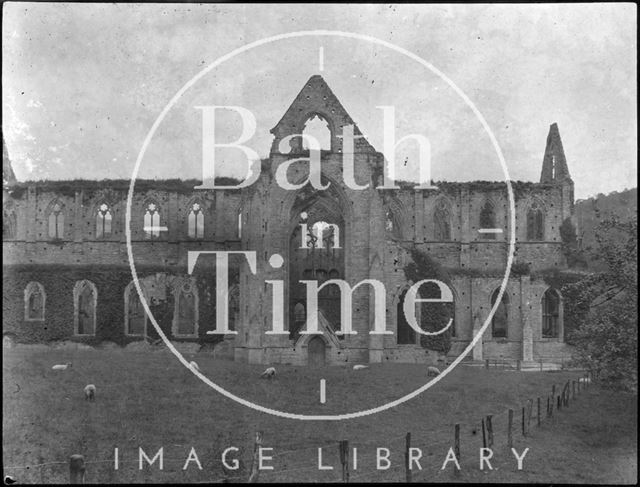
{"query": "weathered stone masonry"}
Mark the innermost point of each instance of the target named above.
(59, 234)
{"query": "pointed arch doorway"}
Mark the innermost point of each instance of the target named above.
(317, 352)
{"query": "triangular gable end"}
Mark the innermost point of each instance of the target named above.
(554, 163)
(316, 98)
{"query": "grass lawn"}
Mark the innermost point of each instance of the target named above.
(149, 400)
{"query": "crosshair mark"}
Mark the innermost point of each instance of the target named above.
(323, 391)
(490, 230)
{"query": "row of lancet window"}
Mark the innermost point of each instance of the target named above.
(185, 324)
(551, 316)
(487, 221)
(153, 222)
(85, 300)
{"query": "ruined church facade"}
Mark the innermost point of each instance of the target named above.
(66, 261)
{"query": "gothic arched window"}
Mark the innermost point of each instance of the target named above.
(324, 235)
(388, 224)
(9, 225)
(488, 220)
(195, 221)
(318, 128)
(152, 221)
(103, 221)
(34, 302)
(56, 221)
(85, 300)
(551, 314)
(185, 316)
(135, 322)
(535, 222)
(500, 321)
(442, 222)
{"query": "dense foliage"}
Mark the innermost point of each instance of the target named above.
(570, 247)
(607, 339)
(591, 211)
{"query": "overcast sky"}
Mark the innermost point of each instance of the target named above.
(83, 84)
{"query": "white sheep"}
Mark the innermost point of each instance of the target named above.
(194, 366)
(90, 392)
(584, 379)
(432, 371)
(61, 366)
(360, 367)
(269, 373)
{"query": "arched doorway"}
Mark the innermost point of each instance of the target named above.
(316, 352)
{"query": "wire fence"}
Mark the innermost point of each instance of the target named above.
(329, 460)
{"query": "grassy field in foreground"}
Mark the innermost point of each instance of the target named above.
(149, 400)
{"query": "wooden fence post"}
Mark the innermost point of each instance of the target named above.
(484, 435)
(490, 430)
(573, 385)
(76, 469)
(538, 411)
(255, 472)
(524, 431)
(518, 365)
(407, 466)
(456, 443)
(486, 364)
(344, 459)
(510, 429)
(559, 406)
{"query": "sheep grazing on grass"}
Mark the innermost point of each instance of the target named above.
(61, 366)
(270, 373)
(89, 392)
(360, 367)
(585, 380)
(432, 371)
(194, 366)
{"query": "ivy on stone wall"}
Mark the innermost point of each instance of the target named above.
(110, 282)
(69, 187)
(433, 316)
(521, 189)
(574, 256)
(575, 309)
